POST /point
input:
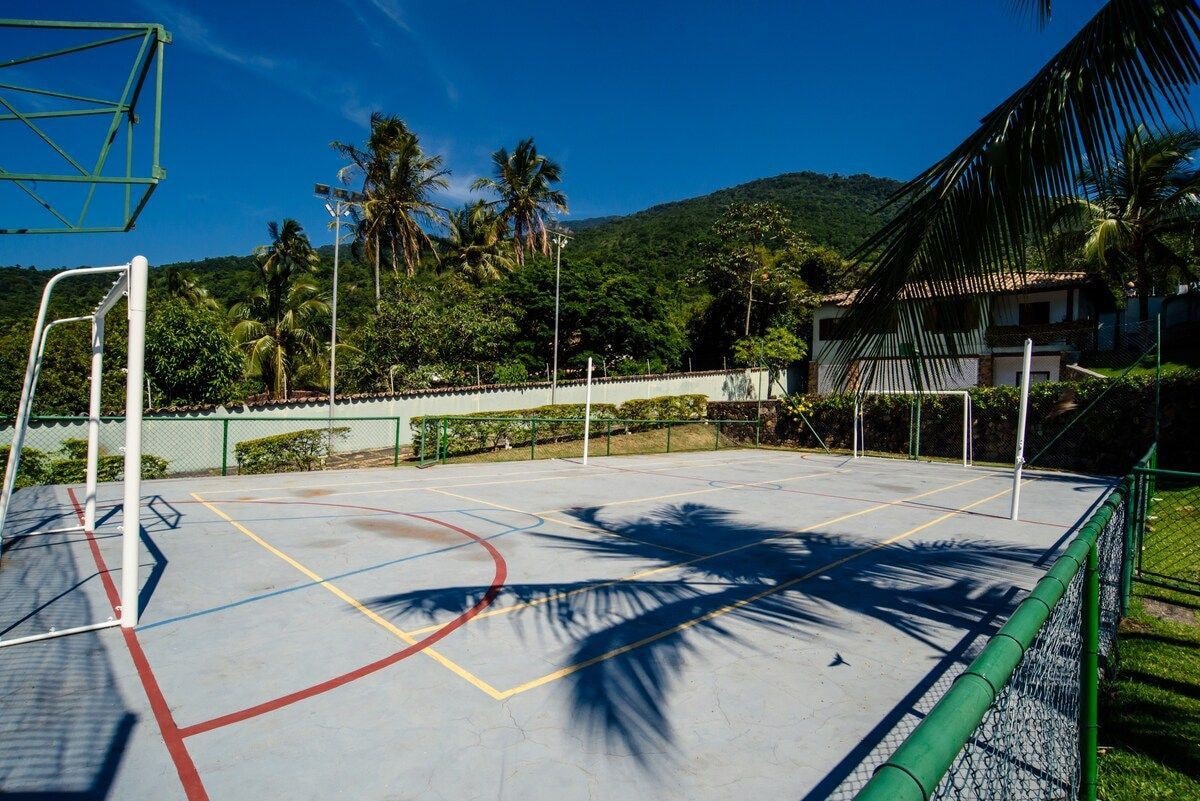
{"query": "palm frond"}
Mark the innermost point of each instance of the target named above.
(973, 216)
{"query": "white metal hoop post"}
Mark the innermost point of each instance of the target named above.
(1019, 458)
(131, 282)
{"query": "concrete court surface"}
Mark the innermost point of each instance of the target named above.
(686, 626)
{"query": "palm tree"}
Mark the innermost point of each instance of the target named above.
(398, 180)
(476, 245)
(1137, 210)
(524, 181)
(278, 324)
(976, 215)
(183, 285)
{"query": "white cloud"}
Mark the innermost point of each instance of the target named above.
(191, 30)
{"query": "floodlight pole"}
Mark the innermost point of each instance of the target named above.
(561, 238)
(341, 201)
(1019, 460)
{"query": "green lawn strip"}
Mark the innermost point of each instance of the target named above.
(1150, 711)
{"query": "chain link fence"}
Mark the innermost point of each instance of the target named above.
(1168, 504)
(1018, 724)
(449, 439)
(55, 447)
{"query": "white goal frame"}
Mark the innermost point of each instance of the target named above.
(968, 417)
(131, 280)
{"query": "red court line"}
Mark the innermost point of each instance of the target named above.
(189, 777)
(498, 579)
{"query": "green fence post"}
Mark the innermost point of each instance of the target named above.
(668, 437)
(757, 432)
(717, 444)
(533, 440)
(1130, 521)
(1089, 677)
(608, 440)
(396, 447)
(225, 447)
(443, 440)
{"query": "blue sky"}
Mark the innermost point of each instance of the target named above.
(642, 102)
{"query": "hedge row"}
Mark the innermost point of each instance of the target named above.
(1095, 426)
(295, 451)
(69, 465)
(515, 428)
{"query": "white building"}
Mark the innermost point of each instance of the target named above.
(1061, 313)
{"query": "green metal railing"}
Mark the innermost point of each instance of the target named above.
(1003, 730)
(1165, 530)
(439, 439)
(195, 445)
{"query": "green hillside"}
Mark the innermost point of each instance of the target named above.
(659, 242)
(832, 210)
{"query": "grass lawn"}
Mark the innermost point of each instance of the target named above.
(1150, 711)
(684, 437)
(1175, 359)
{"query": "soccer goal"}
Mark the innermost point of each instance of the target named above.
(130, 282)
(956, 426)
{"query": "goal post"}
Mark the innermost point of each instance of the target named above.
(131, 280)
(858, 435)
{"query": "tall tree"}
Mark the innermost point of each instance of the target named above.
(974, 216)
(753, 245)
(183, 285)
(524, 181)
(476, 245)
(398, 180)
(278, 325)
(1140, 211)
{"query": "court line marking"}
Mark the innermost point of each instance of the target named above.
(505, 610)
(715, 613)
(370, 614)
(506, 530)
(168, 729)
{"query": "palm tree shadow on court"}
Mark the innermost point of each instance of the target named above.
(633, 638)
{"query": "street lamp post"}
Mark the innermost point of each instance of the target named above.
(337, 203)
(561, 237)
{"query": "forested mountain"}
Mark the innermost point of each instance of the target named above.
(659, 242)
(832, 210)
(638, 292)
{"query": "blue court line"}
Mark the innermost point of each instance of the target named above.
(307, 585)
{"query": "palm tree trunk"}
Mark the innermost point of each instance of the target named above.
(749, 304)
(377, 273)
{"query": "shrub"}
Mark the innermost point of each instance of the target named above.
(514, 373)
(34, 465)
(294, 451)
(70, 466)
(667, 407)
(486, 431)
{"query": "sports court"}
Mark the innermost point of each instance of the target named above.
(685, 626)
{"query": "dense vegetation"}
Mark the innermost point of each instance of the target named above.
(635, 295)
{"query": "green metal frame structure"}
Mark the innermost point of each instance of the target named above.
(145, 77)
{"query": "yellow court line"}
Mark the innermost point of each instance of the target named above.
(375, 618)
(505, 610)
(578, 666)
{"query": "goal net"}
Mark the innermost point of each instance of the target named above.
(930, 424)
(22, 521)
